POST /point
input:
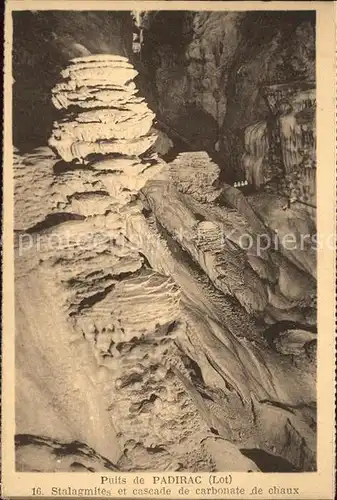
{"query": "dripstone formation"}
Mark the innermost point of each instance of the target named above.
(121, 316)
(104, 114)
(152, 328)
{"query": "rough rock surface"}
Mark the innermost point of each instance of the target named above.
(164, 345)
(34, 451)
(217, 63)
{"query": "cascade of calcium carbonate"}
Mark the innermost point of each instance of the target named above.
(256, 146)
(291, 141)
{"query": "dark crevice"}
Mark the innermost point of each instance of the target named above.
(59, 449)
(74, 110)
(171, 327)
(146, 264)
(155, 449)
(143, 405)
(54, 220)
(268, 462)
(278, 404)
(94, 158)
(63, 167)
(276, 329)
(147, 213)
(195, 370)
(289, 407)
(87, 194)
(205, 395)
(89, 302)
(77, 467)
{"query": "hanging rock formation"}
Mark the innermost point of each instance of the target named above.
(255, 157)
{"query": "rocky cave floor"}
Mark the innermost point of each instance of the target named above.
(147, 338)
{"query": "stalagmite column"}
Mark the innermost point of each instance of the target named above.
(104, 114)
(75, 253)
(118, 317)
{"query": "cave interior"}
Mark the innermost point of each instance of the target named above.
(154, 143)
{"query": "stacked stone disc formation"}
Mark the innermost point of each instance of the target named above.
(104, 114)
(196, 174)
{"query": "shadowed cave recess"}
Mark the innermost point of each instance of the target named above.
(163, 319)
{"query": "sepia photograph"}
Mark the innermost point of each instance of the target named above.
(165, 244)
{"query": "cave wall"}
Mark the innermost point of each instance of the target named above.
(43, 43)
(207, 69)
